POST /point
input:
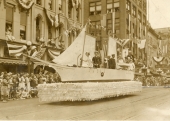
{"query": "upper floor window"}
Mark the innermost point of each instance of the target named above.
(128, 5)
(38, 27)
(95, 28)
(139, 16)
(116, 5)
(140, 3)
(109, 6)
(144, 6)
(116, 21)
(95, 8)
(109, 24)
(38, 2)
(60, 5)
(9, 22)
(9, 14)
(23, 23)
(50, 4)
(144, 19)
(49, 33)
(134, 11)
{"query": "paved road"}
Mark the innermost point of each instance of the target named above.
(151, 104)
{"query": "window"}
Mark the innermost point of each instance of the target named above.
(128, 5)
(23, 23)
(116, 5)
(9, 17)
(95, 28)
(139, 32)
(60, 5)
(50, 4)
(109, 6)
(116, 31)
(98, 8)
(134, 11)
(95, 8)
(49, 33)
(144, 6)
(38, 28)
(116, 22)
(144, 32)
(144, 20)
(92, 8)
(139, 16)
(140, 3)
(70, 8)
(9, 20)
(38, 2)
(109, 26)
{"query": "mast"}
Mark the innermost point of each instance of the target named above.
(83, 45)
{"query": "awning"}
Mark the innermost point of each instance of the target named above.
(11, 61)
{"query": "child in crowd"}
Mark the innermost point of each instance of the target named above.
(34, 92)
(24, 94)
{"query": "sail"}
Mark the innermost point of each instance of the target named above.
(71, 54)
(112, 47)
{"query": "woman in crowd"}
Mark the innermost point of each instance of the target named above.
(27, 80)
(4, 88)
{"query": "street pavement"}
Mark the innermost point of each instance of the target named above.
(153, 103)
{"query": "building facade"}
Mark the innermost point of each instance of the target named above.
(152, 47)
(29, 24)
(124, 19)
(164, 43)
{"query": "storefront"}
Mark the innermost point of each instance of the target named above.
(13, 65)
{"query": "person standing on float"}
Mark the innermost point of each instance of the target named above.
(96, 60)
(112, 62)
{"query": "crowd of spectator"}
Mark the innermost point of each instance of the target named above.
(152, 80)
(22, 85)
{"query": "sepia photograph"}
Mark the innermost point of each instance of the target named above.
(85, 60)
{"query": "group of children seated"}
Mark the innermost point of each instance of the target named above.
(22, 93)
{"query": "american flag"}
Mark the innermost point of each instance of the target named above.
(123, 42)
(40, 53)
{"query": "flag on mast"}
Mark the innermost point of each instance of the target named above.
(141, 43)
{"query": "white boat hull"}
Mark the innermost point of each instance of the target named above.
(93, 74)
(86, 91)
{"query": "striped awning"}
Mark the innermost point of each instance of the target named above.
(11, 61)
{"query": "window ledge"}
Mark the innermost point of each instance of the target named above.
(39, 6)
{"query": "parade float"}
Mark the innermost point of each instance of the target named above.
(80, 83)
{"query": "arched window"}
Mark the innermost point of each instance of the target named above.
(23, 23)
(38, 27)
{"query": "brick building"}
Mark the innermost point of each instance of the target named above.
(127, 22)
(36, 23)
